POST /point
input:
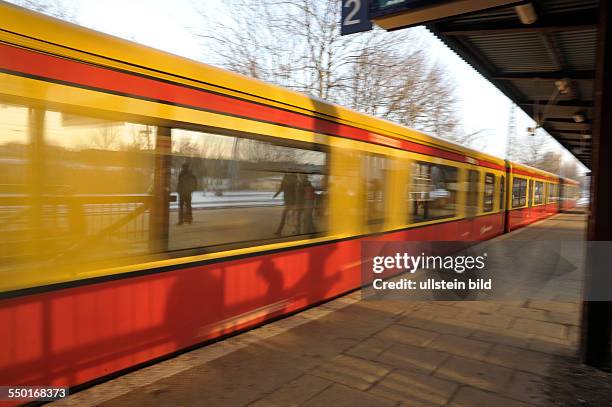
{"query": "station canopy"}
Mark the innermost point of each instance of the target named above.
(540, 53)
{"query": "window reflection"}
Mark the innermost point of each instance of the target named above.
(230, 189)
(538, 193)
(14, 167)
(489, 191)
(75, 189)
(374, 172)
(519, 192)
(472, 193)
(433, 193)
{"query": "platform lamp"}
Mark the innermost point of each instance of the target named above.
(526, 13)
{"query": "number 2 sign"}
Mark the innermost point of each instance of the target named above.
(355, 16)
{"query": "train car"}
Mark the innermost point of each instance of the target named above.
(150, 203)
(569, 194)
(533, 195)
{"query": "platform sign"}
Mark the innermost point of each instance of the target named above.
(355, 16)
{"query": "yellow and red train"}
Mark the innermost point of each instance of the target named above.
(99, 271)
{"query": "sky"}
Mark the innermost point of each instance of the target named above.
(170, 25)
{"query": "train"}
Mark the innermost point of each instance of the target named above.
(106, 268)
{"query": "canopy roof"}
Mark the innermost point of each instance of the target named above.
(547, 67)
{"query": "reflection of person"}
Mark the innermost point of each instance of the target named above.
(439, 195)
(308, 203)
(288, 187)
(187, 183)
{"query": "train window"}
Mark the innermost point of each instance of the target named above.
(87, 195)
(106, 171)
(502, 191)
(489, 192)
(552, 193)
(472, 195)
(433, 193)
(538, 193)
(232, 190)
(374, 171)
(530, 192)
(17, 227)
(549, 193)
(519, 192)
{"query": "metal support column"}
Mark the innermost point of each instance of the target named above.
(597, 315)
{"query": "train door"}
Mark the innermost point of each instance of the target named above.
(504, 198)
(502, 203)
(560, 194)
(471, 203)
(530, 210)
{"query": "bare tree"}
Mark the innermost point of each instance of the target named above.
(297, 44)
(550, 161)
(569, 170)
(106, 138)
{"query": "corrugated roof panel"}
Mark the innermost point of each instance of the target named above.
(565, 6)
(554, 44)
(578, 48)
(517, 52)
(586, 89)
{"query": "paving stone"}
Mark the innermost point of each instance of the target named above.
(457, 345)
(440, 310)
(394, 308)
(553, 346)
(440, 325)
(520, 359)
(420, 388)
(494, 320)
(573, 334)
(351, 371)
(471, 397)
(565, 318)
(413, 358)
(371, 316)
(408, 335)
(295, 392)
(512, 303)
(474, 373)
(342, 396)
(527, 387)
(415, 403)
(371, 348)
(484, 306)
(204, 386)
(502, 336)
(540, 328)
(557, 306)
(524, 312)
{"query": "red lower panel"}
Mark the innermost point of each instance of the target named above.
(72, 336)
(568, 204)
(525, 216)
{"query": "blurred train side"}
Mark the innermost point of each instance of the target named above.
(97, 278)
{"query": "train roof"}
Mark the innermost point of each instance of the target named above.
(114, 52)
(538, 172)
(532, 170)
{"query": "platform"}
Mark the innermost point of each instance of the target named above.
(354, 352)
